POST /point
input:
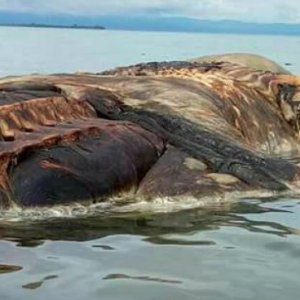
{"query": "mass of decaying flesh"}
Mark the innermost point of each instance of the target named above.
(154, 129)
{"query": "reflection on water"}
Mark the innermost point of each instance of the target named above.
(8, 269)
(243, 214)
(37, 284)
(246, 250)
(143, 278)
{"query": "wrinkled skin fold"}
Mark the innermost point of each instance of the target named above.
(195, 128)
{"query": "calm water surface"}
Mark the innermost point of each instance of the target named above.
(246, 250)
(38, 50)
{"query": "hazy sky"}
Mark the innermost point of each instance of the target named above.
(285, 11)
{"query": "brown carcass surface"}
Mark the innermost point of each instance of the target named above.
(153, 129)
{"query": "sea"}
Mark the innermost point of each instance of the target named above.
(244, 247)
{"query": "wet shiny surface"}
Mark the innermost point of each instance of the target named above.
(247, 250)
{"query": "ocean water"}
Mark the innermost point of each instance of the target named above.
(39, 50)
(247, 249)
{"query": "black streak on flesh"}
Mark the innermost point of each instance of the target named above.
(218, 153)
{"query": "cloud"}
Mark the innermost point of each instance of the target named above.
(287, 11)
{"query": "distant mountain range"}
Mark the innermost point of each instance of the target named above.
(149, 23)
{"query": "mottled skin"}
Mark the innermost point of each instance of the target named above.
(249, 60)
(155, 129)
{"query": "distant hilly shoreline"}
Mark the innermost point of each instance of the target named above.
(75, 26)
(146, 23)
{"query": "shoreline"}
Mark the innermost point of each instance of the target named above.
(54, 26)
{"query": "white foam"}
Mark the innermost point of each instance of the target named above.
(126, 204)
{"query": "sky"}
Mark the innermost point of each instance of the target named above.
(265, 11)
